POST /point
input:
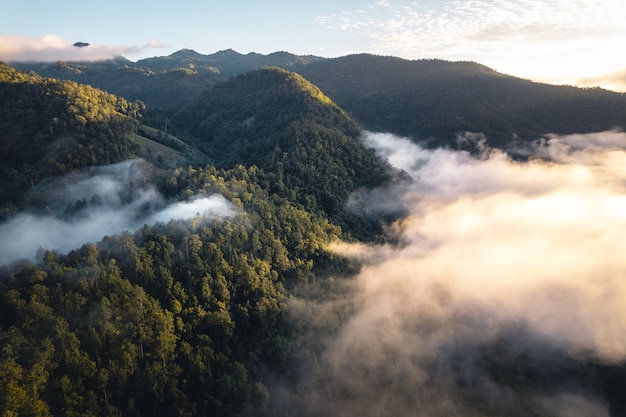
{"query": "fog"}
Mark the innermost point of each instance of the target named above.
(101, 201)
(508, 283)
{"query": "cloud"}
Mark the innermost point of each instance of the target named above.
(519, 236)
(52, 48)
(453, 22)
(102, 201)
(215, 206)
(508, 282)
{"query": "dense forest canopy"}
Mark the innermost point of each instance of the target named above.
(238, 313)
(281, 123)
(433, 100)
(51, 126)
(181, 317)
(176, 319)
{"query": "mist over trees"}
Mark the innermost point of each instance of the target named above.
(50, 127)
(182, 316)
(177, 319)
(262, 255)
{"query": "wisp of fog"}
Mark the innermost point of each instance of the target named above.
(102, 201)
(509, 278)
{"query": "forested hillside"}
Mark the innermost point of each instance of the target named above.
(429, 100)
(165, 82)
(257, 308)
(50, 127)
(177, 319)
(433, 100)
(281, 123)
(184, 317)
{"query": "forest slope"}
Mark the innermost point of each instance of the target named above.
(164, 82)
(181, 317)
(281, 123)
(428, 100)
(50, 127)
(434, 100)
(238, 313)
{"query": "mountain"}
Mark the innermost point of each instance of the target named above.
(429, 100)
(220, 283)
(271, 118)
(51, 127)
(433, 100)
(181, 317)
(227, 62)
(278, 121)
(158, 88)
(168, 81)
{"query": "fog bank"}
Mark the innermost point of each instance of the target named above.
(509, 280)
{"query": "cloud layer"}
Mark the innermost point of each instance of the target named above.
(540, 241)
(107, 200)
(509, 277)
(51, 48)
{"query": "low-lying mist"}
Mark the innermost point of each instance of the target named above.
(507, 288)
(101, 201)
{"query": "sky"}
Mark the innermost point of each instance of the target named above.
(578, 42)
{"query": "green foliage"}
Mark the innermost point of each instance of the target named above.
(434, 100)
(165, 83)
(193, 318)
(281, 123)
(177, 319)
(48, 126)
(424, 99)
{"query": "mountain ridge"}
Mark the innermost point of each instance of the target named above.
(52, 127)
(430, 101)
(434, 100)
(270, 118)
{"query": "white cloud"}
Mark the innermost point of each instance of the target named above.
(539, 241)
(15, 48)
(121, 205)
(500, 259)
(215, 206)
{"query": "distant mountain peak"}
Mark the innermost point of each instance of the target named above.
(226, 53)
(185, 53)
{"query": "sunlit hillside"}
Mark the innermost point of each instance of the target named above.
(283, 235)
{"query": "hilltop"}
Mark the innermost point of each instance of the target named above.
(168, 81)
(278, 121)
(433, 100)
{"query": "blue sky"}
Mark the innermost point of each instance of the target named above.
(559, 41)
